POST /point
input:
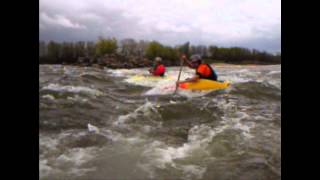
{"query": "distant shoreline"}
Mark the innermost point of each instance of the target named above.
(218, 64)
(232, 64)
(131, 54)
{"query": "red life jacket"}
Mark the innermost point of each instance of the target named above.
(159, 70)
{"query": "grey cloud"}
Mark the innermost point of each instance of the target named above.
(107, 22)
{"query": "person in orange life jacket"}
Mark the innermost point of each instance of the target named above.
(159, 69)
(203, 70)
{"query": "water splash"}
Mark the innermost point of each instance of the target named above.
(73, 89)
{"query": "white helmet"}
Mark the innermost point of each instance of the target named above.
(158, 59)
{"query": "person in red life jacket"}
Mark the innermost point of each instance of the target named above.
(203, 70)
(159, 69)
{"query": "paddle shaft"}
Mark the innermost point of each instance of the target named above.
(181, 63)
(183, 51)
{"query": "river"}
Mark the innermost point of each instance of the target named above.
(139, 131)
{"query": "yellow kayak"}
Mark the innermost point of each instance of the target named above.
(204, 84)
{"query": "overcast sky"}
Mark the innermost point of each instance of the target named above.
(247, 23)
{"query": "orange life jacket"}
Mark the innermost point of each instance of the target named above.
(206, 72)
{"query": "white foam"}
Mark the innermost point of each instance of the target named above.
(70, 71)
(233, 119)
(147, 128)
(48, 96)
(236, 79)
(114, 136)
(63, 166)
(134, 140)
(276, 83)
(121, 120)
(44, 168)
(239, 75)
(228, 107)
(77, 156)
(48, 142)
(243, 71)
(146, 168)
(80, 171)
(162, 89)
(70, 162)
(193, 171)
(273, 72)
(90, 74)
(72, 89)
(124, 72)
(77, 99)
(150, 82)
(198, 139)
(148, 110)
(245, 129)
(159, 155)
(192, 94)
(259, 118)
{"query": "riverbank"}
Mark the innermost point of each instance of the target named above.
(115, 64)
(133, 67)
(116, 61)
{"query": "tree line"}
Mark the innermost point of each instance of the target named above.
(69, 52)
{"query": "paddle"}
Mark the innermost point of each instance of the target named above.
(181, 63)
(184, 49)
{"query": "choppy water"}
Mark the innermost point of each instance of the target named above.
(144, 132)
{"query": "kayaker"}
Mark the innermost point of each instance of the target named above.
(203, 70)
(159, 69)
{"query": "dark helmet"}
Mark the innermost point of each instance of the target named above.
(195, 58)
